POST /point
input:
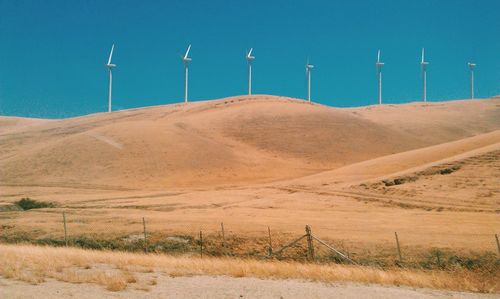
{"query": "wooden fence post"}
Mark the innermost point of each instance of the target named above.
(223, 235)
(65, 230)
(399, 248)
(310, 245)
(201, 244)
(498, 244)
(270, 241)
(145, 235)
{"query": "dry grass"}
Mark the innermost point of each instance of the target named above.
(114, 270)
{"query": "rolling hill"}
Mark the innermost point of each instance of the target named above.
(232, 141)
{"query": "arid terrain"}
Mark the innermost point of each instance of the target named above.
(37, 272)
(428, 171)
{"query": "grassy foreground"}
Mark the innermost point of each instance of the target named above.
(115, 270)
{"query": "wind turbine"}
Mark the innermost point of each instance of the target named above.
(186, 61)
(110, 67)
(471, 68)
(309, 68)
(424, 64)
(250, 58)
(379, 66)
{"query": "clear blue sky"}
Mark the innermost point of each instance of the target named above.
(52, 53)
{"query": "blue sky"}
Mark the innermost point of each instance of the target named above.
(52, 53)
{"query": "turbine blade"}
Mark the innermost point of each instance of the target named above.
(423, 55)
(111, 53)
(378, 56)
(187, 52)
(250, 52)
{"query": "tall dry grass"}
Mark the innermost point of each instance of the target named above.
(115, 270)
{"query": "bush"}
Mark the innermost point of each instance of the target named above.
(28, 204)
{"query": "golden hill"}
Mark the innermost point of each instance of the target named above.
(236, 140)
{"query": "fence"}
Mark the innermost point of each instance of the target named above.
(305, 247)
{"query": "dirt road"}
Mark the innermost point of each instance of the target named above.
(223, 287)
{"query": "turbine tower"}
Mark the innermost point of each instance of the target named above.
(379, 66)
(471, 68)
(309, 68)
(110, 67)
(424, 64)
(186, 61)
(250, 58)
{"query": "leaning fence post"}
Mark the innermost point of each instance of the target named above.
(201, 244)
(270, 241)
(310, 245)
(145, 235)
(65, 230)
(498, 244)
(399, 248)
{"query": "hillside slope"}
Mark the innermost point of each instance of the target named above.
(459, 175)
(236, 140)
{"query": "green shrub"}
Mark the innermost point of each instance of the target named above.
(28, 204)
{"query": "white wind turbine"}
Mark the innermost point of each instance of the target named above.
(309, 68)
(379, 66)
(186, 61)
(110, 67)
(471, 68)
(424, 64)
(250, 59)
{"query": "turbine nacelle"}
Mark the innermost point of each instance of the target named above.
(424, 66)
(110, 66)
(471, 65)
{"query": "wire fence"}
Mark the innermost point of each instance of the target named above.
(144, 235)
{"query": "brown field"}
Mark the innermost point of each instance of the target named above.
(117, 270)
(429, 171)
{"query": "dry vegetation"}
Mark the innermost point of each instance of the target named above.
(116, 270)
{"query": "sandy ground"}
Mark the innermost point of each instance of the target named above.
(224, 287)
